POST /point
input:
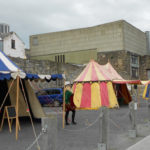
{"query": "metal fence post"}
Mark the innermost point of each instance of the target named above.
(49, 138)
(133, 108)
(148, 101)
(103, 129)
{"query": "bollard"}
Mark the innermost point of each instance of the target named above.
(49, 128)
(133, 109)
(103, 129)
(149, 109)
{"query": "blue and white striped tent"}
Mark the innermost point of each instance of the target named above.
(146, 93)
(6, 65)
(9, 70)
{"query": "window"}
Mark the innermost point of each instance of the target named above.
(1, 29)
(63, 59)
(134, 59)
(35, 41)
(13, 44)
(55, 58)
(41, 93)
(56, 92)
(60, 58)
(1, 45)
(53, 91)
(6, 29)
(50, 92)
(135, 72)
(148, 73)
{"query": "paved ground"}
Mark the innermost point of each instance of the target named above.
(143, 144)
(80, 138)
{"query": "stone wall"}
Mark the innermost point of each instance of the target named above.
(120, 60)
(48, 67)
(144, 66)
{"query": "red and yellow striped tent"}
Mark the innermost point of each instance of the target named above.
(93, 87)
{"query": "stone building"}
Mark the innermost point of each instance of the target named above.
(125, 46)
(10, 43)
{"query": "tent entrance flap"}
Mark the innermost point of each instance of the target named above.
(122, 93)
(35, 105)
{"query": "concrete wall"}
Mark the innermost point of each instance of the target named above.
(78, 57)
(134, 39)
(109, 37)
(106, 37)
(19, 50)
(148, 41)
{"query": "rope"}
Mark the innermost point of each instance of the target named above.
(6, 95)
(115, 124)
(35, 141)
(100, 115)
(35, 86)
(30, 115)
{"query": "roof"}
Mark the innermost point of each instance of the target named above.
(3, 35)
(95, 72)
(6, 65)
(9, 70)
(80, 28)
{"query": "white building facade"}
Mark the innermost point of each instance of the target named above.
(10, 43)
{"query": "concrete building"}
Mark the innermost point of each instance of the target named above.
(10, 43)
(123, 44)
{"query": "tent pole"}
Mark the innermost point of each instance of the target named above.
(63, 123)
(139, 92)
(17, 107)
(38, 146)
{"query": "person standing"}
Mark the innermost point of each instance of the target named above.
(69, 104)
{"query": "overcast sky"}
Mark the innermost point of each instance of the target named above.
(28, 17)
